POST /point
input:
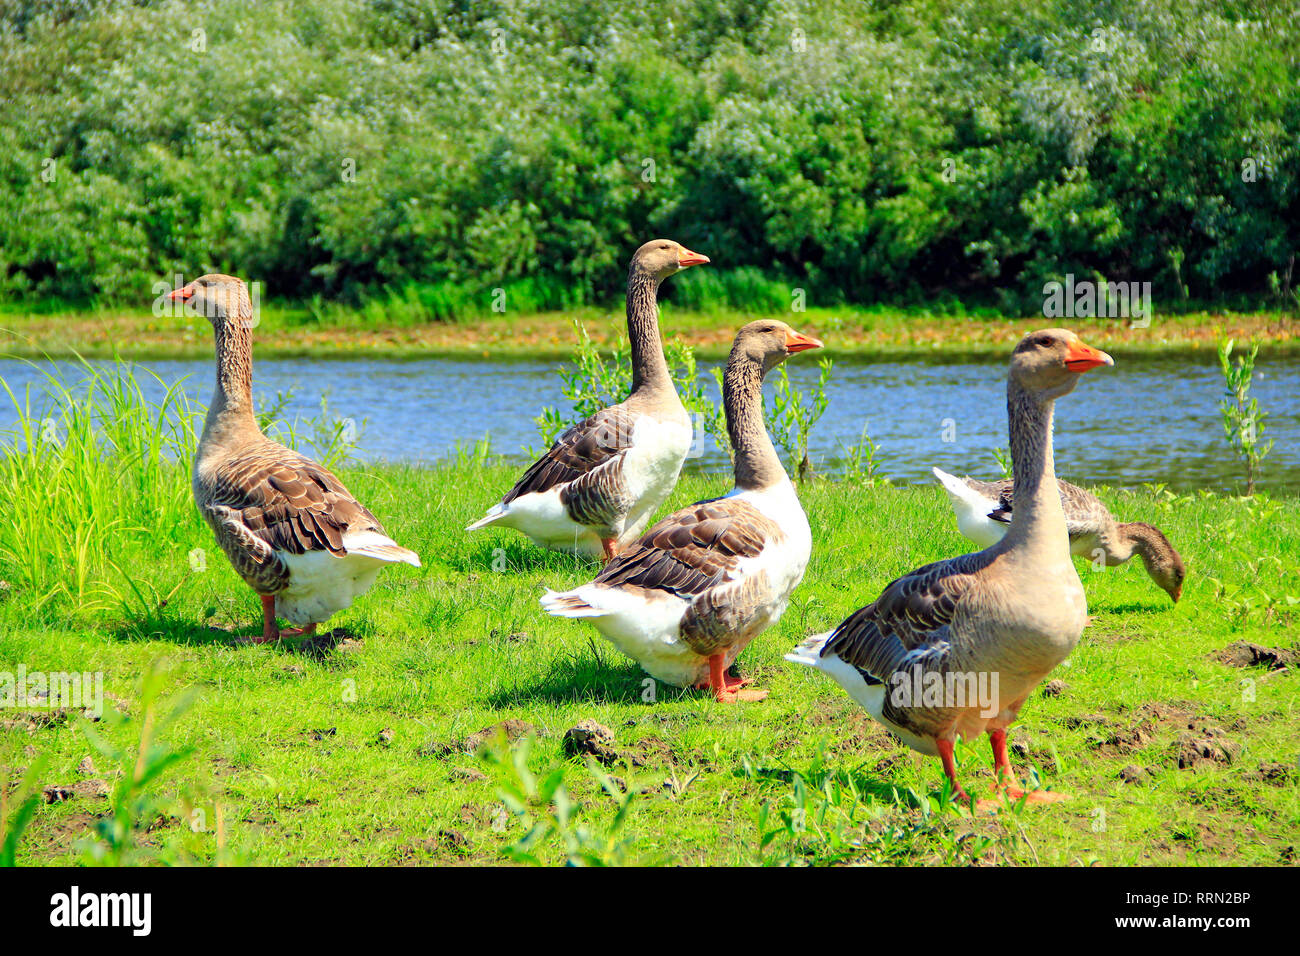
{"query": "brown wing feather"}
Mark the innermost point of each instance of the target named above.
(289, 501)
(693, 549)
(691, 554)
(580, 450)
(911, 615)
(1084, 512)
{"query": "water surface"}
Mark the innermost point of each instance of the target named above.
(1144, 420)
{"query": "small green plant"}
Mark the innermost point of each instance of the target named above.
(825, 818)
(333, 439)
(22, 800)
(703, 410)
(1002, 456)
(85, 470)
(132, 805)
(1285, 296)
(861, 461)
(1243, 422)
(792, 417)
(544, 810)
(593, 382)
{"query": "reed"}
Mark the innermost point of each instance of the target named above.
(92, 476)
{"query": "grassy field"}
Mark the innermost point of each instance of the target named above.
(354, 750)
(394, 332)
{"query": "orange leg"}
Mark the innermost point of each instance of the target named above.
(734, 683)
(726, 690)
(1002, 771)
(610, 547)
(950, 769)
(728, 681)
(270, 632)
(1006, 776)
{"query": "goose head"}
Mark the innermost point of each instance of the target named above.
(220, 298)
(1167, 569)
(664, 257)
(1050, 361)
(1163, 563)
(769, 342)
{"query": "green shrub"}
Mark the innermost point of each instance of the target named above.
(424, 154)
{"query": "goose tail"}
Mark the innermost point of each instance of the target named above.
(568, 604)
(957, 488)
(809, 651)
(380, 548)
(495, 514)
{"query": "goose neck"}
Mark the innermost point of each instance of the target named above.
(232, 403)
(1038, 517)
(756, 462)
(649, 369)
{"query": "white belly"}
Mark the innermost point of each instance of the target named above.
(649, 631)
(321, 585)
(544, 519)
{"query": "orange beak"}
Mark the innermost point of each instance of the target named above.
(184, 293)
(1082, 357)
(688, 258)
(798, 342)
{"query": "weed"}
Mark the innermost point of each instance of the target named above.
(792, 417)
(1243, 422)
(544, 809)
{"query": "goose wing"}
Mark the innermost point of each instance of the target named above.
(1084, 512)
(699, 554)
(909, 623)
(285, 502)
(586, 465)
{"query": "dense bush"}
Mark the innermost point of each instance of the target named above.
(439, 149)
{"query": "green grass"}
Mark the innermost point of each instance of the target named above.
(309, 758)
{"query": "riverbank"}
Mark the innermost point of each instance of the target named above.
(867, 335)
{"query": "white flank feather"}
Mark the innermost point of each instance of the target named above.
(870, 697)
(972, 511)
(650, 465)
(322, 584)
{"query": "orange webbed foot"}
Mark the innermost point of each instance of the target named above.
(1008, 795)
(739, 696)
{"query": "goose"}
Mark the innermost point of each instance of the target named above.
(596, 488)
(955, 647)
(291, 529)
(705, 581)
(984, 509)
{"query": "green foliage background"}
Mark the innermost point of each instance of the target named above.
(909, 151)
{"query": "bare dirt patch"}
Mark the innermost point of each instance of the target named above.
(86, 789)
(1274, 774)
(1246, 654)
(511, 729)
(590, 739)
(1205, 745)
